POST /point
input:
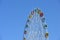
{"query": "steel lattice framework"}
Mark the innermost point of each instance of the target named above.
(36, 27)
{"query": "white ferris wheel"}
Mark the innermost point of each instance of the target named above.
(36, 27)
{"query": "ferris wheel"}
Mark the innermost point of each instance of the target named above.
(36, 27)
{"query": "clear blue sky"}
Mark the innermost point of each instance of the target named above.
(14, 13)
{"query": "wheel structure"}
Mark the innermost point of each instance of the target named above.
(36, 27)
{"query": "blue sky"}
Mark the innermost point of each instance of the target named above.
(14, 13)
